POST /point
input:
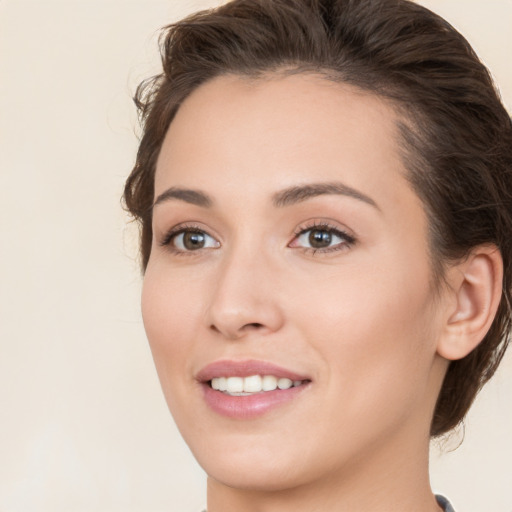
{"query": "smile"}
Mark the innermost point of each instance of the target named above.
(248, 389)
(244, 386)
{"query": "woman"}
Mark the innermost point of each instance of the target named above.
(324, 191)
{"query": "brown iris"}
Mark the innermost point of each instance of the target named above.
(193, 240)
(320, 238)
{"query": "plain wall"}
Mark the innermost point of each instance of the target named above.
(83, 423)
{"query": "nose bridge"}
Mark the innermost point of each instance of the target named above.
(244, 297)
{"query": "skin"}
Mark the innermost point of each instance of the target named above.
(362, 320)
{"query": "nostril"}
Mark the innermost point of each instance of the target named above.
(253, 326)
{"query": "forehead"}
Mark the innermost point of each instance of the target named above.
(274, 132)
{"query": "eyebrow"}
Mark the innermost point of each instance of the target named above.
(283, 198)
(187, 195)
(302, 193)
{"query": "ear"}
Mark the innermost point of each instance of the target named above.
(475, 289)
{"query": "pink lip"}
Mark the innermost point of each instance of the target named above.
(246, 368)
(251, 406)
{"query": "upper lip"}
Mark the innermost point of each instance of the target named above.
(245, 368)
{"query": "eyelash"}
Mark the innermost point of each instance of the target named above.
(348, 240)
(178, 230)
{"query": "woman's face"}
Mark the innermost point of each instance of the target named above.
(289, 249)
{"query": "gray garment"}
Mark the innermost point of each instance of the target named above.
(444, 503)
(440, 499)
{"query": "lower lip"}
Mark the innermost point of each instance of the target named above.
(249, 406)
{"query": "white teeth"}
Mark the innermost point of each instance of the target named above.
(222, 383)
(284, 383)
(235, 384)
(252, 384)
(269, 383)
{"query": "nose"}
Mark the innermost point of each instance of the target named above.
(245, 299)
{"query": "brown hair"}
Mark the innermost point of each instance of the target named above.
(456, 136)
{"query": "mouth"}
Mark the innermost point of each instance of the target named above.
(247, 389)
(247, 386)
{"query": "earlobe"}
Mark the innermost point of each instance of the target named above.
(476, 284)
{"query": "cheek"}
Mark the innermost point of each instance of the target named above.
(170, 314)
(364, 299)
(374, 330)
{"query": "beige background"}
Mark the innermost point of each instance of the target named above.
(83, 424)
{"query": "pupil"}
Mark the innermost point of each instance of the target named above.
(193, 240)
(320, 238)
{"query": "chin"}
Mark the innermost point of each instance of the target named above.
(251, 465)
(253, 477)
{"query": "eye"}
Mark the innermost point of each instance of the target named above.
(323, 238)
(183, 239)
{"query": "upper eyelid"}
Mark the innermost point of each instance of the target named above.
(349, 238)
(345, 237)
(327, 225)
(347, 242)
(169, 234)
